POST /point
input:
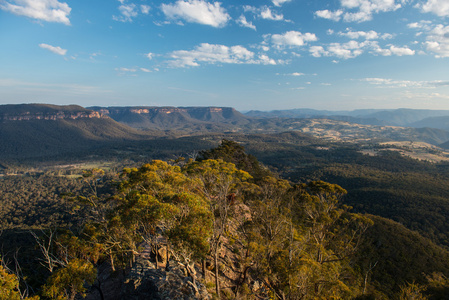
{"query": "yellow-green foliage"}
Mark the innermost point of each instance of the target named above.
(70, 280)
(9, 286)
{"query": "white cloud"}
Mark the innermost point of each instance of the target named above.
(249, 8)
(292, 38)
(197, 11)
(56, 50)
(386, 82)
(400, 51)
(149, 55)
(347, 50)
(392, 50)
(420, 25)
(438, 41)
(353, 49)
(317, 51)
(46, 10)
(359, 10)
(368, 35)
(145, 9)
(216, 54)
(279, 2)
(244, 23)
(267, 14)
(438, 7)
(265, 60)
(145, 70)
(126, 70)
(297, 74)
(330, 15)
(127, 11)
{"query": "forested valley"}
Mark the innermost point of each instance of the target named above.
(231, 226)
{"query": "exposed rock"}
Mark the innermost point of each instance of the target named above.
(146, 282)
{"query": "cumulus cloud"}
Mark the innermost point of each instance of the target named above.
(438, 41)
(267, 14)
(56, 50)
(400, 51)
(291, 39)
(244, 23)
(359, 10)
(197, 11)
(330, 15)
(392, 50)
(216, 54)
(347, 50)
(265, 60)
(437, 37)
(367, 35)
(353, 49)
(127, 12)
(145, 9)
(279, 2)
(438, 7)
(45, 10)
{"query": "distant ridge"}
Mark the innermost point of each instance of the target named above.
(173, 118)
(38, 130)
(394, 117)
(27, 112)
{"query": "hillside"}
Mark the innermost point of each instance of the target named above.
(35, 130)
(252, 261)
(356, 126)
(393, 117)
(176, 118)
(27, 112)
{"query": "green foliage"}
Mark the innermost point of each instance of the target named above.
(70, 280)
(412, 291)
(298, 240)
(9, 285)
(233, 152)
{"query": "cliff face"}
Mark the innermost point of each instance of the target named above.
(166, 118)
(60, 115)
(27, 112)
(199, 113)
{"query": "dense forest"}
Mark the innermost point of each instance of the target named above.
(232, 225)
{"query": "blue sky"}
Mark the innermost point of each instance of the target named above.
(248, 54)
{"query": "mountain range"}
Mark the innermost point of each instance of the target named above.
(35, 130)
(393, 117)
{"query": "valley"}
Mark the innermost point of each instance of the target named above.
(394, 175)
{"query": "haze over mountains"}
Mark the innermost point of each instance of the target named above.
(37, 129)
(393, 117)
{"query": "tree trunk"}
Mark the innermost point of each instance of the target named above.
(203, 268)
(112, 261)
(157, 258)
(167, 265)
(217, 280)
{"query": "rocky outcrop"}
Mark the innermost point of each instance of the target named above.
(145, 281)
(174, 118)
(60, 115)
(28, 112)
